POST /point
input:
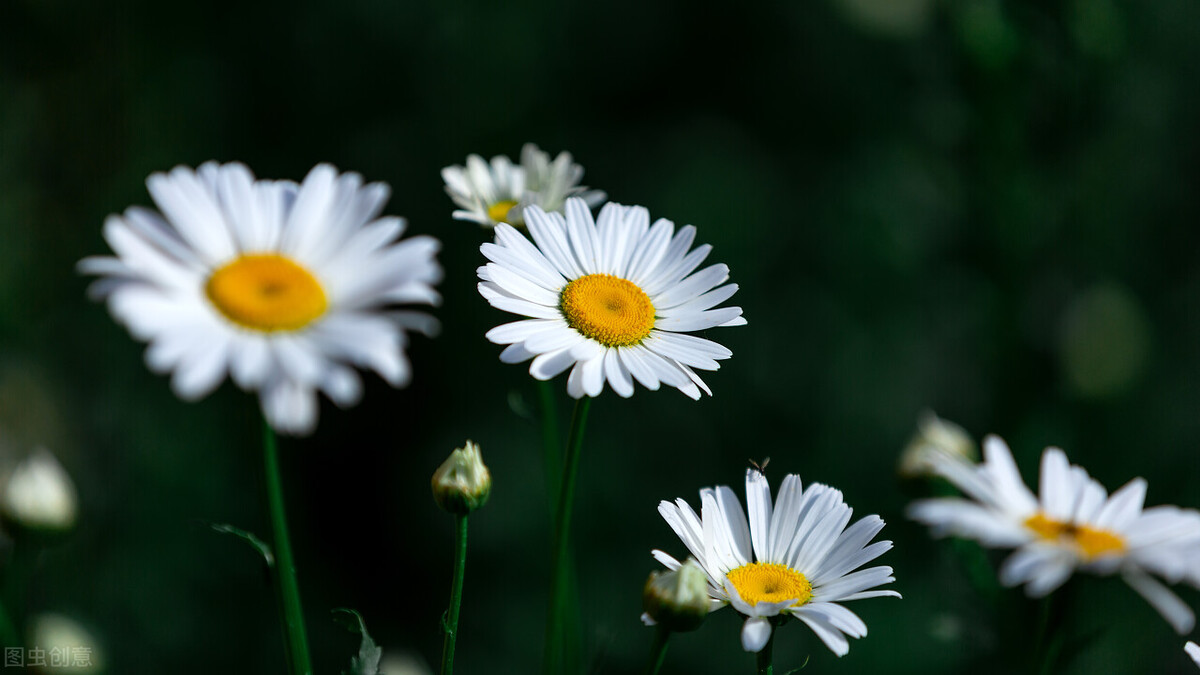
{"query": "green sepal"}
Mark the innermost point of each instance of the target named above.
(369, 653)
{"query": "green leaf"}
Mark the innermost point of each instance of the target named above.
(369, 653)
(263, 548)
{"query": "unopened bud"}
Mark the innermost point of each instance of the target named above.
(936, 439)
(678, 600)
(462, 483)
(77, 647)
(40, 495)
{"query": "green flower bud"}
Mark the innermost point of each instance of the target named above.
(462, 483)
(678, 600)
(39, 496)
(935, 439)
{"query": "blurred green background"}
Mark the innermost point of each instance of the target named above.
(984, 208)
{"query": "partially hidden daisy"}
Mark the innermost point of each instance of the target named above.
(796, 558)
(610, 298)
(499, 191)
(1073, 524)
(284, 287)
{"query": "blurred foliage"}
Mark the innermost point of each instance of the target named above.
(985, 208)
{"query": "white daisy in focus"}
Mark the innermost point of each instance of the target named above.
(498, 192)
(610, 298)
(1193, 651)
(1073, 524)
(283, 286)
(796, 558)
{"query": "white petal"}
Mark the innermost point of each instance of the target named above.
(290, 408)
(519, 331)
(550, 364)
(593, 376)
(1161, 598)
(201, 370)
(617, 376)
(758, 503)
(1056, 486)
(831, 636)
(755, 633)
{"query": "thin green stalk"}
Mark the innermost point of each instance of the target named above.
(551, 449)
(450, 626)
(658, 650)
(560, 561)
(1051, 630)
(295, 640)
(765, 656)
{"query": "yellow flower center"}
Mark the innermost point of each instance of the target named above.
(610, 310)
(770, 582)
(499, 211)
(1092, 542)
(266, 292)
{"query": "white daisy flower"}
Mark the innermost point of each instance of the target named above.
(796, 559)
(611, 299)
(499, 192)
(1073, 524)
(283, 286)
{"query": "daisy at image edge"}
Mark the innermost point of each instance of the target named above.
(283, 287)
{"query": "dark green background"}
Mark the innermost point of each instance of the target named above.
(985, 208)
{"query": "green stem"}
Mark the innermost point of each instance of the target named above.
(551, 450)
(560, 562)
(765, 657)
(295, 640)
(460, 565)
(658, 650)
(1051, 632)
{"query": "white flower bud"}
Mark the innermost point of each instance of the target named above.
(678, 599)
(403, 664)
(77, 649)
(40, 495)
(462, 483)
(935, 439)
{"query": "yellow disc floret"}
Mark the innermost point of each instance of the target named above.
(1090, 541)
(266, 292)
(499, 211)
(770, 582)
(608, 309)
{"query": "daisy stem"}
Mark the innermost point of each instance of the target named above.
(658, 650)
(295, 640)
(551, 452)
(560, 562)
(1051, 631)
(450, 624)
(765, 656)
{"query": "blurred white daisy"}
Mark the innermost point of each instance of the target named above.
(1193, 651)
(283, 286)
(610, 298)
(1073, 524)
(499, 192)
(794, 559)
